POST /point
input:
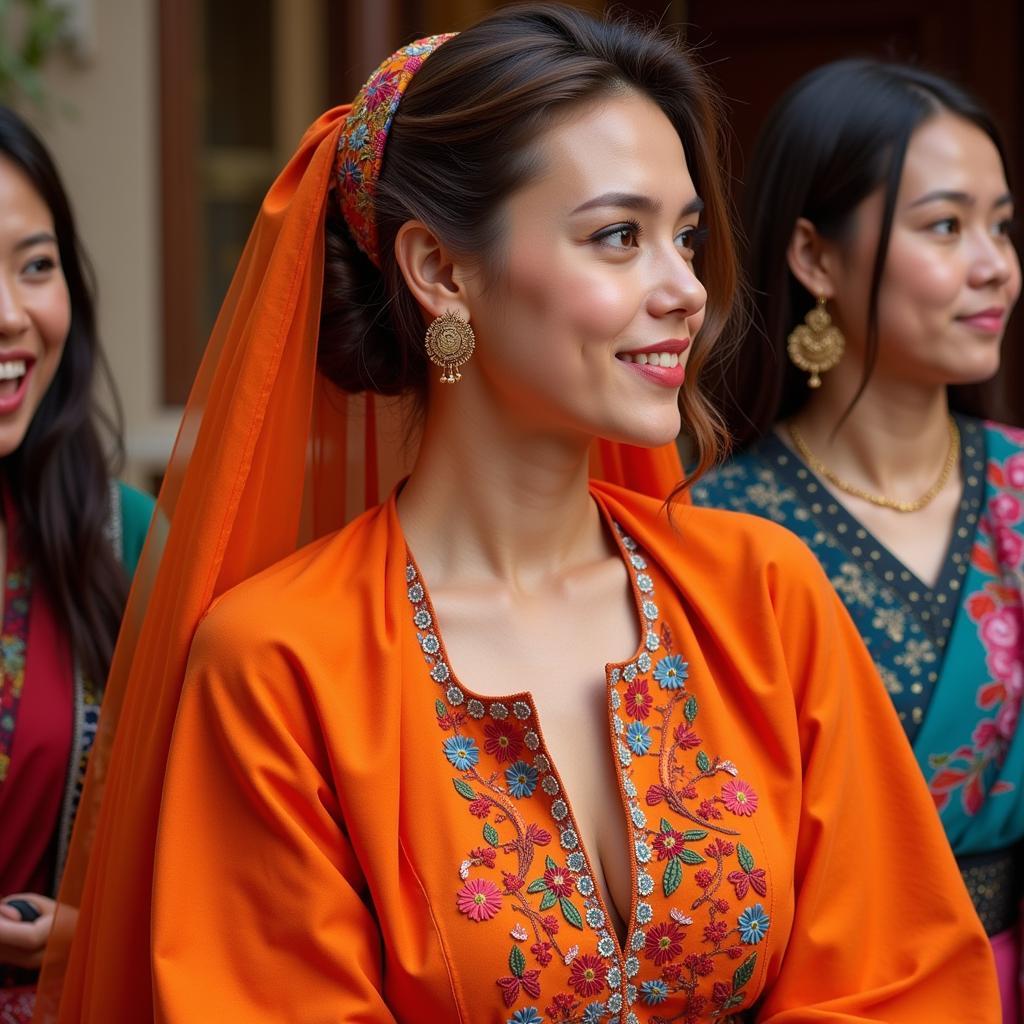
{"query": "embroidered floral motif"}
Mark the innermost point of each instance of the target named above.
(511, 792)
(13, 648)
(997, 611)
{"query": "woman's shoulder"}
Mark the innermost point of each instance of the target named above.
(726, 484)
(1002, 441)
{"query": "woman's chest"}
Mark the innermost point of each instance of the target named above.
(627, 883)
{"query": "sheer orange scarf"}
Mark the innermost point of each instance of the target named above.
(268, 457)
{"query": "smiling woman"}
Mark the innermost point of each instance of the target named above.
(518, 744)
(69, 540)
(898, 221)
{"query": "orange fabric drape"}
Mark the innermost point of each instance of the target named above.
(268, 457)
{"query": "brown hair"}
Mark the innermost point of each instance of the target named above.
(461, 144)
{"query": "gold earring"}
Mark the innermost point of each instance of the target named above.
(817, 344)
(450, 343)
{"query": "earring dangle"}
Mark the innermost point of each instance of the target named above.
(450, 342)
(817, 344)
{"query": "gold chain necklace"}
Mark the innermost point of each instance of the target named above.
(880, 499)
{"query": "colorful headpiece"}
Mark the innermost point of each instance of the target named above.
(361, 144)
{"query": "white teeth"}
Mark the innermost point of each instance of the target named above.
(12, 369)
(666, 359)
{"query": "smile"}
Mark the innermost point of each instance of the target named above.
(12, 369)
(666, 359)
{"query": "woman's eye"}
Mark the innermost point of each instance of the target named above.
(1006, 228)
(621, 236)
(946, 226)
(40, 265)
(691, 238)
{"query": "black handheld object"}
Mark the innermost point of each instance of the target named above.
(29, 912)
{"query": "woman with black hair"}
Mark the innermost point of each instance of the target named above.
(71, 536)
(878, 206)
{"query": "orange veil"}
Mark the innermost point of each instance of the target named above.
(269, 456)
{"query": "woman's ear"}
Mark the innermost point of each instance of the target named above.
(812, 259)
(433, 276)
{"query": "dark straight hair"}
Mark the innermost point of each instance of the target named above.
(836, 136)
(59, 475)
(464, 140)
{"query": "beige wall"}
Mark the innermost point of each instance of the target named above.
(106, 146)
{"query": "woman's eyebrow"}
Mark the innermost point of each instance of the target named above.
(635, 201)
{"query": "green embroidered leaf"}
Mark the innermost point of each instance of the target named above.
(550, 864)
(549, 900)
(673, 876)
(744, 972)
(570, 913)
(703, 761)
(745, 857)
(516, 961)
(491, 834)
(665, 825)
(690, 708)
(440, 709)
(733, 1001)
(694, 835)
(463, 789)
(537, 885)
(691, 857)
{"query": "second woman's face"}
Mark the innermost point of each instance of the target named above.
(589, 324)
(952, 275)
(35, 311)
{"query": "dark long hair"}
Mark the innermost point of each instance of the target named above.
(60, 474)
(837, 135)
(463, 141)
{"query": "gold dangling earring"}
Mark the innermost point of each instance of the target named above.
(817, 344)
(450, 343)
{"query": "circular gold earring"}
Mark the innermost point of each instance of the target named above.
(450, 343)
(817, 344)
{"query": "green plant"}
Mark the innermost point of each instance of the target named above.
(29, 32)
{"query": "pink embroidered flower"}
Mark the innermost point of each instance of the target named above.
(550, 924)
(479, 899)
(721, 993)
(686, 737)
(1009, 547)
(719, 848)
(1015, 471)
(668, 844)
(985, 734)
(722, 906)
(742, 881)
(1002, 661)
(638, 699)
(672, 972)
(735, 952)
(716, 932)
(1005, 509)
(562, 1008)
(1006, 719)
(504, 740)
(1001, 628)
(483, 855)
(708, 811)
(512, 882)
(703, 877)
(537, 835)
(585, 976)
(739, 797)
(529, 982)
(480, 807)
(700, 963)
(664, 942)
(542, 951)
(558, 881)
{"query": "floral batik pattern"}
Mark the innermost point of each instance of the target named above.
(364, 134)
(13, 652)
(698, 909)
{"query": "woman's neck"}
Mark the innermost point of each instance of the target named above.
(492, 499)
(894, 441)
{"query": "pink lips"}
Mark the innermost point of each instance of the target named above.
(666, 376)
(989, 321)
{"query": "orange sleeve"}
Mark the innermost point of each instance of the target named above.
(260, 907)
(902, 943)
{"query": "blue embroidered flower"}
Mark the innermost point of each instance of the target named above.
(594, 1013)
(521, 779)
(753, 924)
(528, 1015)
(358, 137)
(462, 752)
(654, 992)
(350, 173)
(670, 672)
(638, 736)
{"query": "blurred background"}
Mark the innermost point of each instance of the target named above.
(169, 119)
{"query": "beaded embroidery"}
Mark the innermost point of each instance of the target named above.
(540, 872)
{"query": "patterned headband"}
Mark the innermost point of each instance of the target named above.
(361, 145)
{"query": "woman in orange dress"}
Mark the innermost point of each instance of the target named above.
(516, 745)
